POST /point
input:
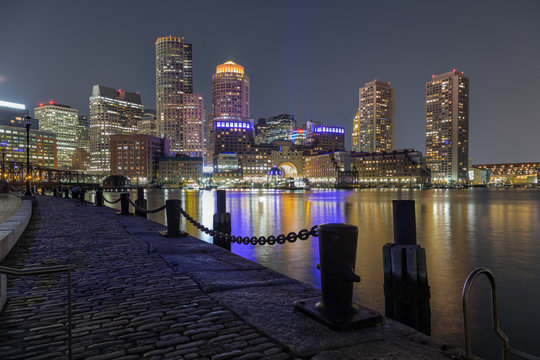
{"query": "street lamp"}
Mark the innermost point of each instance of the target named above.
(27, 123)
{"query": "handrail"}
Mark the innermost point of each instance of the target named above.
(506, 350)
(43, 271)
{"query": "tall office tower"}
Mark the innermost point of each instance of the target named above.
(188, 68)
(13, 114)
(174, 78)
(280, 127)
(447, 127)
(83, 133)
(148, 124)
(230, 91)
(374, 125)
(62, 120)
(193, 144)
(111, 112)
(261, 131)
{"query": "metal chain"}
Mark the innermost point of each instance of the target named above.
(111, 202)
(145, 211)
(303, 234)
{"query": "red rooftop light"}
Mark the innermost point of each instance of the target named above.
(51, 102)
(41, 104)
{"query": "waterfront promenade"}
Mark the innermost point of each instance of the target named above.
(9, 204)
(138, 295)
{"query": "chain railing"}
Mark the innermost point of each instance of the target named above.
(146, 211)
(111, 202)
(254, 240)
(280, 239)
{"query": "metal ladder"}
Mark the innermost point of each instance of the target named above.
(506, 350)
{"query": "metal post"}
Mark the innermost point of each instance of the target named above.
(99, 197)
(27, 120)
(124, 204)
(141, 202)
(406, 286)
(55, 192)
(172, 210)
(404, 222)
(335, 309)
(221, 197)
(66, 193)
(222, 220)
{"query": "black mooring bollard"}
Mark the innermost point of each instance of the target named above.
(124, 204)
(335, 308)
(141, 202)
(55, 192)
(66, 193)
(173, 219)
(222, 220)
(404, 222)
(99, 197)
(406, 288)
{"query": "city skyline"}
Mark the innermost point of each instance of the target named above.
(286, 76)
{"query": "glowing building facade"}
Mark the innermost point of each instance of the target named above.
(280, 127)
(62, 120)
(112, 112)
(174, 78)
(447, 127)
(233, 136)
(374, 123)
(193, 142)
(230, 91)
(13, 114)
(42, 146)
(136, 156)
(325, 138)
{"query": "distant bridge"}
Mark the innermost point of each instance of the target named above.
(15, 173)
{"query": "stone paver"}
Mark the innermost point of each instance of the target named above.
(128, 302)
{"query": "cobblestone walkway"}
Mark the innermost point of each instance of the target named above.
(127, 303)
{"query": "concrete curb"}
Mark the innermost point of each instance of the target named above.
(10, 232)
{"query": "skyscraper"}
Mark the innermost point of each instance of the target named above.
(12, 114)
(193, 143)
(230, 91)
(83, 133)
(174, 78)
(62, 120)
(280, 127)
(374, 123)
(447, 127)
(148, 124)
(111, 112)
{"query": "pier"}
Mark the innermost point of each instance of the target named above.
(136, 294)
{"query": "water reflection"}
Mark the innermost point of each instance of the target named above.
(460, 230)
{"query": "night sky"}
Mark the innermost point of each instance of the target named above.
(306, 58)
